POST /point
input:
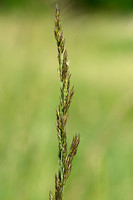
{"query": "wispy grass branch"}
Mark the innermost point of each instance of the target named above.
(66, 93)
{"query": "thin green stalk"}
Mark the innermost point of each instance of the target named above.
(65, 159)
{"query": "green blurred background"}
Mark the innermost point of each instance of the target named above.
(99, 40)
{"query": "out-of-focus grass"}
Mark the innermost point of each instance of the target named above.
(100, 49)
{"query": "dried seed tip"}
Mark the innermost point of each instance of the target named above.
(51, 197)
(57, 9)
(57, 12)
(57, 24)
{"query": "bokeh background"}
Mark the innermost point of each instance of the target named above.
(99, 40)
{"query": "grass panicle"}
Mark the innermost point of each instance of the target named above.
(65, 159)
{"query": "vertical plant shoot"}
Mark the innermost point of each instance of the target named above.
(66, 93)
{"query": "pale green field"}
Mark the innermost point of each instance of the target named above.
(100, 49)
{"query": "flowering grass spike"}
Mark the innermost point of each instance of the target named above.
(65, 159)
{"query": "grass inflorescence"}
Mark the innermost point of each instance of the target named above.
(65, 159)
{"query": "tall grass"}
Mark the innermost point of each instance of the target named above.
(65, 159)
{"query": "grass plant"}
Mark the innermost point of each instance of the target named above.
(102, 106)
(65, 159)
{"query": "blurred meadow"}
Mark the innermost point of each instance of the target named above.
(100, 51)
